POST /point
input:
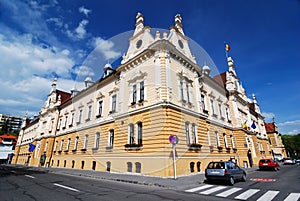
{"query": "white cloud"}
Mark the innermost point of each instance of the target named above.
(289, 127)
(106, 48)
(84, 11)
(268, 116)
(57, 21)
(79, 32)
(84, 71)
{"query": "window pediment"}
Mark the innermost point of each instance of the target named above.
(138, 76)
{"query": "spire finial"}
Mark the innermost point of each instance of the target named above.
(178, 23)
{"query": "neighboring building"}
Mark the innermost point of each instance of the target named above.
(9, 123)
(277, 147)
(7, 147)
(123, 121)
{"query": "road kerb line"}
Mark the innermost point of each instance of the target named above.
(66, 187)
(32, 177)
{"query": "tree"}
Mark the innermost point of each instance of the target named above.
(292, 144)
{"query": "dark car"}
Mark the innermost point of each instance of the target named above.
(268, 164)
(224, 171)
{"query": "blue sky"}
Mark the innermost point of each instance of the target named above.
(40, 40)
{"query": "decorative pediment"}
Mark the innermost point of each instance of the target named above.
(100, 95)
(137, 76)
(113, 91)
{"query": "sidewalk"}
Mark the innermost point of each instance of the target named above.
(181, 182)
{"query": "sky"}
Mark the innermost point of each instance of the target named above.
(41, 40)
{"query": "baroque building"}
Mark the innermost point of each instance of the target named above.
(123, 121)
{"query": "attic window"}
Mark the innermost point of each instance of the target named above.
(180, 44)
(139, 44)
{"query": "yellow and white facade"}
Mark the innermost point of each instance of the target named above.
(123, 121)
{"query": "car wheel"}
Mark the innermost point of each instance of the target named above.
(231, 181)
(244, 178)
(275, 169)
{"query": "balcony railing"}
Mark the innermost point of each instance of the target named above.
(130, 147)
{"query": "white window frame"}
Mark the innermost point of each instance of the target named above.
(86, 141)
(217, 139)
(187, 133)
(111, 138)
(131, 137)
(97, 140)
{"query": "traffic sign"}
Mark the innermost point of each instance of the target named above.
(173, 139)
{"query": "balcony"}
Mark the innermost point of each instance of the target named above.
(133, 147)
(220, 149)
(194, 147)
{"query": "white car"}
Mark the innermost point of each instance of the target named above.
(288, 161)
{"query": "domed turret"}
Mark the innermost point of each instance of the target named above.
(206, 70)
(88, 82)
(107, 70)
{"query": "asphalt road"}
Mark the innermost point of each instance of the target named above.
(22, 184)
(25, 184)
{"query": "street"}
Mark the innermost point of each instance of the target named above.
(24, 184)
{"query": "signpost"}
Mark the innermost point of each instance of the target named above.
(173, 139)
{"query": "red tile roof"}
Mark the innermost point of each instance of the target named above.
(221, 78)
(64, 96)
(270, 127)
(8, 136)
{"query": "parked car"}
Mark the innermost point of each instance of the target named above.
(224, 171)
(288, 161)
(268, 164)
(297, 161)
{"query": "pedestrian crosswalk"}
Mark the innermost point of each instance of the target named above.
(243, 194)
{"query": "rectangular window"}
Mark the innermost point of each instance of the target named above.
(97, 140)
(55, 146)
(114, 103)
(68, 144)
(227, 114)
(217, 139)
(72, 119)
(181, 90)
(142, 91)
(61, 145)
(51, 125)
(232, 141)
(85, 142)
(59, 124)
(111, 138)
(194, 134)
(76, 143)
(140, 133)
(225, 140)
(89, 112)
(220, 110)
(131, 133)
(133, 94)
(212, 106)
(203, 102)
(187, 131)
(80, 116)
(66, 121)
(188, 92)
(100, 108)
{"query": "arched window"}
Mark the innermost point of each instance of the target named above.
(82, 164)
(73, 163)
(65, 163)
(94, 165)
(198, 166)
(138, 167)
(192, 167)
(129, 167)
(108, 165)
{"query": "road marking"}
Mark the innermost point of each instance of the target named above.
(66, 187)
(198, 188)
(263, 179)
(32, 177)
(247, 194)
(268, 196)
(292, 197)
(228, 192)
(207, 192)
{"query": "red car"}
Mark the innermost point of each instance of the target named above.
(268, 164)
